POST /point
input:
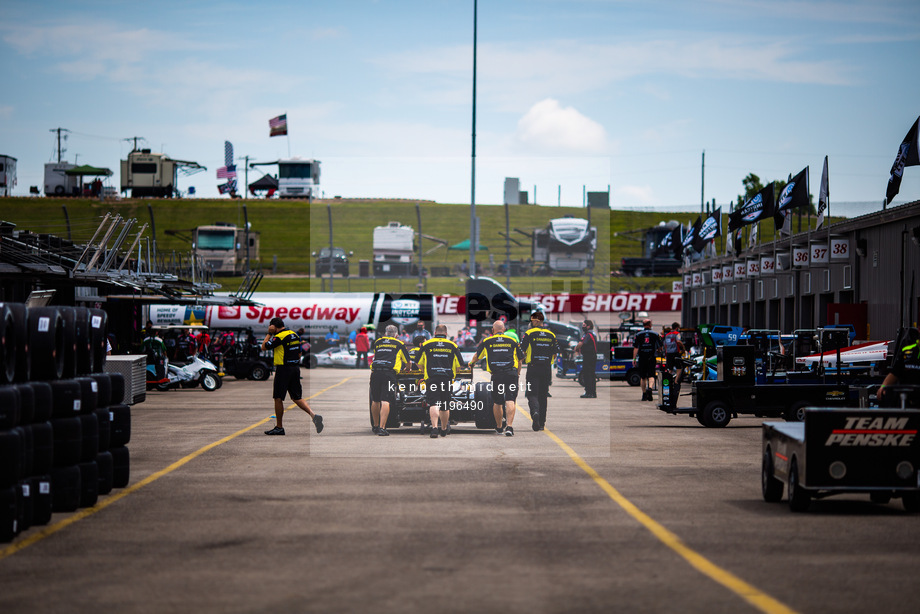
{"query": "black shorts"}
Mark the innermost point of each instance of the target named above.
(437, 392)
(383, 386)
(504, 388)
(672, 362)
(646, 366)
(287, 381)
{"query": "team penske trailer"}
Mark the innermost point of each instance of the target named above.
(835, 451)
(315, 312)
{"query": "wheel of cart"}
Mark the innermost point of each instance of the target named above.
(799, 498)
(771, 487)
(482, 401)
(716, 414)
(633, 378)
(796, 412)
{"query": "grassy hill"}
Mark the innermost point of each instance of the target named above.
(291, 230)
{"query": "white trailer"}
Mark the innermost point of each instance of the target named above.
(58, 182)
(7, 175)
(394, 247)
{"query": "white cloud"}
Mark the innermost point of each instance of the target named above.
(549, 127)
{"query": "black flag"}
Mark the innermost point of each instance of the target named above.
(793, 196)
(758, 208)
(908, 155)
(710, 229)
(690, 239)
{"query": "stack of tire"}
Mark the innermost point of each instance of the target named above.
(63, 429)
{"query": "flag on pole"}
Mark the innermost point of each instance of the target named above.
(729, 243)
(908, 155)
(228, 153)
(709, 230)
(690, 237)
(793, 196)
(739, 243)
(277, 126)
(226, 172)
(823, 195)
(755, 231)
(229, 187)
(760, 207)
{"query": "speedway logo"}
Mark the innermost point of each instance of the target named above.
(873, 433)
(786, 196)
(708, 230)
(751, 211)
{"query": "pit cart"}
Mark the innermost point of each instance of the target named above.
(715, 403)
(836, 451)
(469, 402)
(613, 363)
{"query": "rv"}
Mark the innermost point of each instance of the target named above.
(7, 175)
(394, 247)
(223, 247)
(297, 178)
(149, 174)
(566, 245)
(58, 182)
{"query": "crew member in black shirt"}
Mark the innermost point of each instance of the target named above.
(503, 360)
(645, 355)
(539, 349)
(439, 358)
(390, 357)
(588, 348)
(286, 346)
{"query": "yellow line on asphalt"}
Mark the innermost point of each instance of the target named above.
(752, 595)
(104, 503)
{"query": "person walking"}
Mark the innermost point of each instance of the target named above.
(390, 357)
(503, 360)
(439, 358)
(588, 348)
(673, 350)
(646, 346)
(285, 345)
(539, 348)
(362, 345)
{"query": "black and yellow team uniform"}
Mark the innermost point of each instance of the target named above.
(906, 365)
(540, 349)
(439, 358)
(503, 360)
(286, 348)
(390, 356)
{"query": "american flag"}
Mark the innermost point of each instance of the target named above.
(226, 172)
(278, 126)
(228, 153)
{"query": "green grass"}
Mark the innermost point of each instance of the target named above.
(291, 230)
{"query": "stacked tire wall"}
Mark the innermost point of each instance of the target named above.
(63, 436)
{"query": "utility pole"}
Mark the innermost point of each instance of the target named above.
(60, 149)
(473, 238)
(703, 183)
(246, 174)
(135, 139)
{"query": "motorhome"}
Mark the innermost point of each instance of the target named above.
(149, 174)
(297, 177)
(7, 175)
(566, 245)
(394, 248)
(224, 248)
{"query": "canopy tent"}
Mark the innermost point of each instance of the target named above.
(465, 245)
(266, 183)
(85, 170)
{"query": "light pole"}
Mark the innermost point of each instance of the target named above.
(473, 238)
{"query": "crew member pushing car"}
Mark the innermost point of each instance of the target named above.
(390, 357)
(503, 360)
(439, 359)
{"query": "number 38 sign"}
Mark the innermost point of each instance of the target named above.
(840, 249)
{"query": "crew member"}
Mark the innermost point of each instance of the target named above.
(390, 357)
(286, 347)
(905, 369)
(439, 359)
(503, 360)
(362, 345)
(420, 330)
(588, 348)
(539, 348)
(645, 352)
(673, 350)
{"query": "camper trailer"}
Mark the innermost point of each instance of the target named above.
(7, 175)
(566, 245)
(149, 174)
(58, 182)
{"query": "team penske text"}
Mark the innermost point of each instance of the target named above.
(873, 432)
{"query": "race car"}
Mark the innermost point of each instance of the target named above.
(337, 357)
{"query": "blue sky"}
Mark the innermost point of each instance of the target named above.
(571, 95)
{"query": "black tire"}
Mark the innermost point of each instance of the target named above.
(482, 402)
(699, 418)
(41, 499)
(44, 401)
(105, 428)
(881, 497)
(42, 448)
(103, 389)
(633, 378)
(259, 372)
(796, 411)
(68, 315)
(8, 343)
(46, 343)
(89, 483)
(911, 502)
(89, 424)
(9, 513)
(65, 489)
(106, 472)
(68, 441)
(121, 467)
(20, 332)
(26, 404)
(65, 398)
(10, 458)
(314, 362)
(799, 498)
(210, 381)
(770, 487)
(120, 428)
(164, 386)
(716, 414)
(59, 190)
(98, 322)
(27, 451)
(25, 505)
(10, 403)
(117, 381)
(89, 394)
(86, 351)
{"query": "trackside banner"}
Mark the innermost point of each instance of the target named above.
(580, 303)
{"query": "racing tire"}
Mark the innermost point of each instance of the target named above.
(796, 411)
(117, 381)
(799, 498)
(98, 321)
(121, 467)
(633, 378)
(26, 505)
(89, 394)
(67, 434)
(911, 502)
(65, 398)
(770, 487)
(20, 336)
(65, 489)
(105, 428)
(89, 483)
(86, 351)
(27, 450)
(69, 316)
(26, 404)
(716, 414)
(482, 401)
(103, 389)
(46, 343)
(9, 514)
(41, 499)
(106, 472)
(44, 400)
(89, 425)
(10, 458)
(314, 362)
(10, 407)
(210, 381)
(259, 372)
(120, 426)
(162, 386)
(42, 448)
(8, 345)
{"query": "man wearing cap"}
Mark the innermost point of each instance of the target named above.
(286, 347)
(645, 352)
(539, 348)
(588, 348)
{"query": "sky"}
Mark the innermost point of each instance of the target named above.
(571, 95)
